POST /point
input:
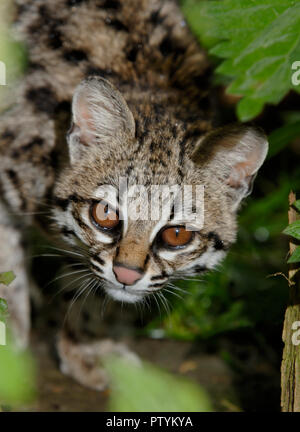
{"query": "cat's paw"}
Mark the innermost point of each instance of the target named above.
(84, 361)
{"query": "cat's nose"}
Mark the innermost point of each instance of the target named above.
(126, 275)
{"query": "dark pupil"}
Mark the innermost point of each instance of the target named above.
(177, 231)
(106, 209)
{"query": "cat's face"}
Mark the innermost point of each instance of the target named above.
(124, 204)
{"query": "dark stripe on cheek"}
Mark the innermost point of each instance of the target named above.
(67, 232)
(218, 243)
(98, 259)
(156, 285)
(163, 275)
(61, 203)
(80, 222)
(146, 261)
(199, 268)
(95, 268)
(159, 262)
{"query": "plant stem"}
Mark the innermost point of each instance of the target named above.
(290, 366)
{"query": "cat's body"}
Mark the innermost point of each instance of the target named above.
(148, 133)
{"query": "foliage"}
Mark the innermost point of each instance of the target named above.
(282, 136)
(143, 387)
(243, 292)
(293, 230)
(17, 376)
(17, 379)
(12, 53)
(3, 310)
(7, 277)
(257, 40)
(16, 367)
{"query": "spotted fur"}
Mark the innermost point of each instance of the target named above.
(120, 88)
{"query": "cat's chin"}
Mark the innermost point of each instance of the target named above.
(121, 295)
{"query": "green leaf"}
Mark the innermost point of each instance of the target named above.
(17, 383)
(293, 229)
(295, 257)
(248, 108)
(12, 53)
(7, 277)
(296, 204)
(281, 137)
(138, 388)
(257, 40)
(3, 310)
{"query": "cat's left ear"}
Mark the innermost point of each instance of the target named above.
(233, 155)
(100, 116)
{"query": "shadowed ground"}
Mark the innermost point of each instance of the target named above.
(60, 393)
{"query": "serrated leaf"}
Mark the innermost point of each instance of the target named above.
(7, 277)
(295, 257)
(257, 40)
(293, 229)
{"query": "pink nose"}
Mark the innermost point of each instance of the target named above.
(125, 275)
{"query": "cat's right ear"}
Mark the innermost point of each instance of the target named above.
(232, 155)
(100, 116)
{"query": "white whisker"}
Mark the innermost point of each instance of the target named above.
(164, 302)
(157, 303)
(76, 296)
(173, 293)
(66, 251)
(66, 275)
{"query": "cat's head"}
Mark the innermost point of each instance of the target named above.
(132, 251)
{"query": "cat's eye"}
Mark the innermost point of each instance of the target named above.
(176, 236)
(104, 216)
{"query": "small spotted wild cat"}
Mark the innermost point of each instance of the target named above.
(142, 109)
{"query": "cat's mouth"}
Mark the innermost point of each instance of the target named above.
(124, 294)
(121, 292)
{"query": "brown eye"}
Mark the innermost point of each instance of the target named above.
(104, 216)
(176, 236)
